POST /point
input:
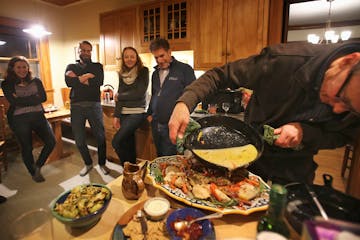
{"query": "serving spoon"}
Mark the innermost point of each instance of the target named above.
(179, 225)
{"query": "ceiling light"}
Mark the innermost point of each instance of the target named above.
(37, 31)
(329, 34)
(2, 43)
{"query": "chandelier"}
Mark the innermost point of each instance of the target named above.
(330, 36)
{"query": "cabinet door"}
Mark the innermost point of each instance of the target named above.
(177, 24)
(209, 32)
(128, 29)
(151, 23)
(247, 28)
(110, 40)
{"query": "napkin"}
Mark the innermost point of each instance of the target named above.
(192, 126)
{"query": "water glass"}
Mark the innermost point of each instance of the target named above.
(212, 108)
(35, 224)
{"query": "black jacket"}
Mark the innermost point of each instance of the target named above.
(163, 98)
(286, 79)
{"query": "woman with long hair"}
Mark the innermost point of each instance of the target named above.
(26, 114)
(130, 104)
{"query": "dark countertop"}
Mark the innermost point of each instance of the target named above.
(195, 116)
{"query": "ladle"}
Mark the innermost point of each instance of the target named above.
(185, 224)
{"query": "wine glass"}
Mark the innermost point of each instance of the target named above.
(225, 106)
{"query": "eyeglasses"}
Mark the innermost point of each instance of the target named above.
(85, 51)
(341, 95)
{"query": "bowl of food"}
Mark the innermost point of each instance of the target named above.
(82, 206)
(156, 208)
(198, 230)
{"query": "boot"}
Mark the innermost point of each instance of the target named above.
(37, 177)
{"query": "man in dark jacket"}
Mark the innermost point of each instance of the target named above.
(168, 82)
(85, 79)
(309, 93)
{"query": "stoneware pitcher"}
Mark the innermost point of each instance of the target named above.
(133, 180)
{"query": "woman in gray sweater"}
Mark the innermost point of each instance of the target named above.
(130, 104)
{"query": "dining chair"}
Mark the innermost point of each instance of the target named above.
(3, 152)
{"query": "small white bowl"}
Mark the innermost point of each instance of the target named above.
(156, 208)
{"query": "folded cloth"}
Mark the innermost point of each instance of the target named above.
(270, 137)
(192, 126)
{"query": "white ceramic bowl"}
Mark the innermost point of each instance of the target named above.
(156, 208)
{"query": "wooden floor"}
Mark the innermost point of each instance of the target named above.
(330, 162)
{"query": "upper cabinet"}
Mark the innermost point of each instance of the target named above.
(118, 29)
(226, 30)
(167, 19)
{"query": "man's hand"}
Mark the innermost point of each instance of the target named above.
(70, 74)
(116, 123)
(178, 121)
(84, 79)
(290, 135)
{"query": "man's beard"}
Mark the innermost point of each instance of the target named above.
(85, 59)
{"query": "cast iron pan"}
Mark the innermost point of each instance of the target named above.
(337, 205)
(223, 132)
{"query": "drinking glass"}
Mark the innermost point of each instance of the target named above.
(35, 224)
(225, 106)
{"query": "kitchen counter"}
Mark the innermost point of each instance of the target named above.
(195, 116)
(228, 227)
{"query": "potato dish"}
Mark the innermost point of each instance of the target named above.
(82, 200)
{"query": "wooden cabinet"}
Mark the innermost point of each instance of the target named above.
(118, 29)
(227, 30)
(167, 19)
(109, 133)
(145, 148)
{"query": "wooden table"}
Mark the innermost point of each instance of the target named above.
(55, 118)
(228, 227)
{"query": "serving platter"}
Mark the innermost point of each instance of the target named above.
(259, 203)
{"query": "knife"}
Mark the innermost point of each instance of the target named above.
(143, 223)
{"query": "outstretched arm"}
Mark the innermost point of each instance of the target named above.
(179, 119)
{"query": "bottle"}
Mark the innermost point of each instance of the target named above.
(272, 224)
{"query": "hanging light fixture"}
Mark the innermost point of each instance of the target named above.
(329, 34)
(37, 31)
(2, 43)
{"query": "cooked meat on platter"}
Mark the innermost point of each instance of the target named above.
(198, 181)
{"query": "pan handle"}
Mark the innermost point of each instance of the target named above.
(328, 180)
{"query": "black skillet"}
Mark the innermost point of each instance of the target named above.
(337, 205)
(220, 131)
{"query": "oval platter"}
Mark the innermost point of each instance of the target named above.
(259, 203)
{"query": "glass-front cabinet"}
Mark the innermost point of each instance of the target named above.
(151, 23)
(167, 19)
(176, 21)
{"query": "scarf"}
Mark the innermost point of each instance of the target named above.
(129, 77)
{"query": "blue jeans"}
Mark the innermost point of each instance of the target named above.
(124, 140)
(163, 144)
(94, 114)
(23, 126)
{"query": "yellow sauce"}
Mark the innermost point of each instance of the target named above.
(230, 158)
